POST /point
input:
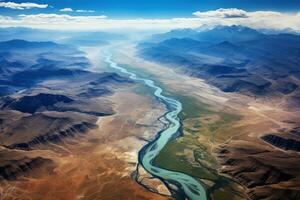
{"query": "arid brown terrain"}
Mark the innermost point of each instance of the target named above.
(74, 135)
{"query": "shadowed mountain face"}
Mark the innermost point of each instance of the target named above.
(22, 165)
(234, 59)
(30, 104)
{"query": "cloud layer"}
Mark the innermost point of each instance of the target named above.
(78, 11)
(257, 19)
(22, 6)
(85, 11)
(222, 13)
(66, 10)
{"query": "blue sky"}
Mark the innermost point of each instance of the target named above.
(148, 14)
(154, 8)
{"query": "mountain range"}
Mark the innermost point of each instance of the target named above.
(232, 58)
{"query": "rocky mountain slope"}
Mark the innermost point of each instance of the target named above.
(48, 97)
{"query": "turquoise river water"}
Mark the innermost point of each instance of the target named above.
(186, 187)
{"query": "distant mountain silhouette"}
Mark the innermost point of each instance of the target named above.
(233, 58)
(177, 33)
(229, 33)
(217, 34)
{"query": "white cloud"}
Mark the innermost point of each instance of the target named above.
(79, 11)
(222, 13)
(257, 19)
(66, 10)
(98, 22)
(22, 6)
(59, 19)
(254, 19)
(85, 11)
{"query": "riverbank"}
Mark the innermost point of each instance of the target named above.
(185, 186)
(227, 138)
(204, 113)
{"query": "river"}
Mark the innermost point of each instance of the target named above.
(187, 187)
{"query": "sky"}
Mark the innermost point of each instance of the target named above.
(145, 14)
(153, 8)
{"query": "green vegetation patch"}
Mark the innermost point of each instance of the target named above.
(191, 153)
(172, 158)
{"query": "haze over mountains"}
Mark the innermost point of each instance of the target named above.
(82, 38)
(232, 58)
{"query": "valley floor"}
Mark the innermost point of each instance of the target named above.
(221, 145)
(222, 141)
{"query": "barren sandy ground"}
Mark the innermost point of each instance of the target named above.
(99, 164)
